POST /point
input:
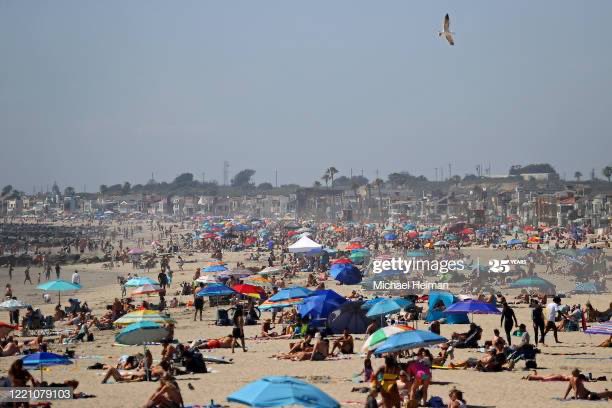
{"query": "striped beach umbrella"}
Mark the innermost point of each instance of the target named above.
(383, 334)
(140, 333)
(143, 315)
(146, 290)
(280, 304)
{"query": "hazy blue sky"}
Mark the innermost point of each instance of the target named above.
(96, 92)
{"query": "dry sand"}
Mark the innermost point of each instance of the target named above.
(504, 389)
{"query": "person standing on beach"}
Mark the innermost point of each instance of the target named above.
(48, 271)
(537, 317)
(27, 275)
(57, 270)
(76, 278)
(238, 330)
(198, 303)
(552, 310)
(508, 314)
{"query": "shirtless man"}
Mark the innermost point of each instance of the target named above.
(167, 394)
(345, 343)
(576, 383)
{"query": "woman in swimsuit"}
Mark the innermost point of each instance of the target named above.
(456, 399)
(389, 373)
(422, 378)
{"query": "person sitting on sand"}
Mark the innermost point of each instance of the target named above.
(266, 329)
(168, 350)
(129, 375)
(36, 344)
(10, 347)
(576, 383)
(19, 376)
(404, 386)
(345, 343)
(473, 362)
(167, 394)
(456, 399)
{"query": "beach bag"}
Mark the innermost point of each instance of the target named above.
(222, 318)
(436, 402)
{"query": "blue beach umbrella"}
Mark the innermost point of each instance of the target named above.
(514, 241)
(216, 290)
(215, 268)
(320, 304)
(388, 306)
(58, 286)
(282, 391)
(347, 274)
(472, 306)
(409, 340)
(44, 359)
(390, 237)
(140, 281)
(142, 332)
(532, 282)
(369, 303)
(291, 293)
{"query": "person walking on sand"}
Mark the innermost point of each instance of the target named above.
(238, 330)
(57, 270)
(198, 303)
(552, 311)
(27, 275)
(76, 278)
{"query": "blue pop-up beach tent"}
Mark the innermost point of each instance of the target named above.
(448, 299)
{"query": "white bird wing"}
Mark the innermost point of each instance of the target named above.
(449, 38)
(446, 23)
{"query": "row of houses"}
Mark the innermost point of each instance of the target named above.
(476, 203)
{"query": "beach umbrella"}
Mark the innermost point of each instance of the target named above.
(472, 307)
(349, 316)
(215, 268)
(216, 290)
(143, 315)
(240, 273)
(412, 234)
(602, 328)
(586, 287)
(249, 290)
(272, 270)
(44, 359)
(58, 286)
(140, 281)
(136, 251)
(388, 306)
(408, 340)
(382, 334)
(357, 257)
(514, 241)
(142, 332)
(532, 282)
(13, 304)
(442, 243)
(320, 304)
(341, 261)
(371, 302)
(206, 279)
(347, 274)
(282, 391)
(146, 290)
(390, 237)
(280, 304)
(6, 328)
(295, 292)
(354, 245)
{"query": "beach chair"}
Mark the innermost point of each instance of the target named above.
(222, 318)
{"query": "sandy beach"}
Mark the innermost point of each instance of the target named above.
(503, 389)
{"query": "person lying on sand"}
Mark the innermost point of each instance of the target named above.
(474, 362)
(10, 347)
(576, 384)
(545, 378)
(221, 342)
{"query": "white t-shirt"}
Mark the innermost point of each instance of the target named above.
(76, 278)
(552, 309)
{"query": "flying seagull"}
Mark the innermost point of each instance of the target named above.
(446, 32)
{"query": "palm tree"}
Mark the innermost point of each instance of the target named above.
(331, 172)
(355, 187)
(326, 178)
(577, 176)
(379, 183)
(607, 172)
(316, 184)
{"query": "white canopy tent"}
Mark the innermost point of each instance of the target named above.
(305, 245)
